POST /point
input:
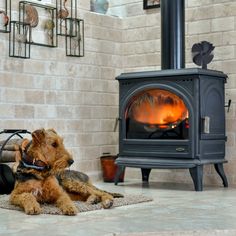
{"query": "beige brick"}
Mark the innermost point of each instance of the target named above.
(224, 53)
(73, 98)
(229, 66)
(34, 67)
(74, 125)
(84, 4)
(229, 37)
(197, 3)
(65, 112)
(92, 153)
(35, 97)
(199, 27)
(135, 9)
(6, 79)
(57, 124)
(13, 95)
(108, 125)
(215, 38)
(14, 124)
(92, 98)
(104, 138)
(199, 13)
(7, 111)
(41, 82)
(222, 24)
(12, 65)
(112, 86)
(84, 139)
(109, 99)
(91, 125)
(135, 22)
(45, 112)
(24, 111)
(83, 112)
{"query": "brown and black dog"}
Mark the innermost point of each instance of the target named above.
(41, 177)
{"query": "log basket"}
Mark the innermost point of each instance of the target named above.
(7, 178)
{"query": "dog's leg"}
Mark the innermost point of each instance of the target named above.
(93, 199)
(66, 205)
(27, 201)
(57, 194)
(87, 189)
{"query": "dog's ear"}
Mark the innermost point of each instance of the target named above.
(52, 130)
(38, 136)
(24, 143)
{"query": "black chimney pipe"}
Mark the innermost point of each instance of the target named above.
(172, 34)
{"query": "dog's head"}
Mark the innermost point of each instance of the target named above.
(47, 150)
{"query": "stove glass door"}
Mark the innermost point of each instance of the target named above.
(156, 114)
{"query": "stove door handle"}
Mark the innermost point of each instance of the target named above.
(116, 123)
(206, 124)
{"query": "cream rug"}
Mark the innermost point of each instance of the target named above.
(82, 207)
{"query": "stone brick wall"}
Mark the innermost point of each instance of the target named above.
(79, 96)
(75, 96)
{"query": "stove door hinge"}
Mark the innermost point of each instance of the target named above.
(116, 123)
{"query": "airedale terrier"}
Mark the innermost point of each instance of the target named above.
(41, 177)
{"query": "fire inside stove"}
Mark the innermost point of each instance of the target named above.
(158, 112)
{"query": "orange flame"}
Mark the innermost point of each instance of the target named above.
(158, 107)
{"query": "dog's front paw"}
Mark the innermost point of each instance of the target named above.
(107, 203)
(33, 209)
(69, 210)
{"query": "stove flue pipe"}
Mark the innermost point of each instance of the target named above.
(172, 34)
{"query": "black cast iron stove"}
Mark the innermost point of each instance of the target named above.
(173, 118)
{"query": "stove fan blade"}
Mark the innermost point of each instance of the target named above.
(202, 53)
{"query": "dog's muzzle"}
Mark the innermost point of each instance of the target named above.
(70, 162)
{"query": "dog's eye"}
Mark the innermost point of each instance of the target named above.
(54, 144)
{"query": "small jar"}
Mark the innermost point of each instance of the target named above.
(99, 6)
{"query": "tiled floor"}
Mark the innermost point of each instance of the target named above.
(176, 210)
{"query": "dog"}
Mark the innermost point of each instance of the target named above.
(42, 177)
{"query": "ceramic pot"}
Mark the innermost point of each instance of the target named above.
(109, 168)
(99, 6)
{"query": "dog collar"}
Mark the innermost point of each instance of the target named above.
(34, 166)
(30, 162)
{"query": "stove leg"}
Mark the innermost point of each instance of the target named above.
(119, 171)
(220, 170)
(145, 174)
(197, 176)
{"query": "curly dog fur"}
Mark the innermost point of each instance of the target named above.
(41, 177)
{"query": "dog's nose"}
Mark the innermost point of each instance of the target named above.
(70, 162)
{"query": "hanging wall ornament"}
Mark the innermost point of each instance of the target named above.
(19, 45)
(65, 9)
(5, 17)
(49, 27)
(74, 37)
(31, 15)
(44, 30)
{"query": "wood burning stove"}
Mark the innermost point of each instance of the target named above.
(173, 118)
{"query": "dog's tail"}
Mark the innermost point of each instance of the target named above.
(116, 195)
